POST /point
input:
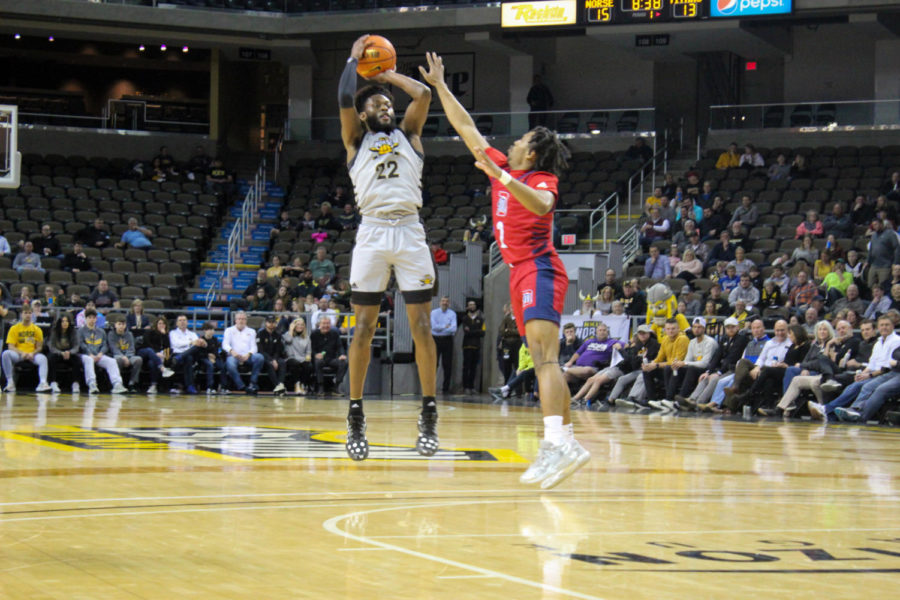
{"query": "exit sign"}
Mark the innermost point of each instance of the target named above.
(568, 239)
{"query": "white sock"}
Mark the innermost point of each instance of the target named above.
(504, 391)
(553, 430)
(569, 431)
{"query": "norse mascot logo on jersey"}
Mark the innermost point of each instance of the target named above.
(662, 305)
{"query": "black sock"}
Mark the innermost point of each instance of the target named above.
(429, 404)
(356, 407)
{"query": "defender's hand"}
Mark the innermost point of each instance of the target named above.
(485, 164)
(435, 73)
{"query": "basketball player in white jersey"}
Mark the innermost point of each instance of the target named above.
(385, 161)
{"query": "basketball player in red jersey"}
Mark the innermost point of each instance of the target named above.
(524, 190)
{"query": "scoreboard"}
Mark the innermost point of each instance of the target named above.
(585, 13)
(598, 12)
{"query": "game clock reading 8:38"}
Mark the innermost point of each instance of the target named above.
(640, 5)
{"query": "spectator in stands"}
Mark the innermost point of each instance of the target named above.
(604, 301)
(187, 349)
(851, 301)
(328, 351)
(46, 244)
(349, 218)
(593, 355)
(688, 209)
(837, 282)
(261, 302)
(634, 300)
(211, 359)
(135, 236)
(165, 159)
(307, 222)
(732, 347)
(250, 293)
(780, 279)
(24, 341)
(884, 251)
(308, 286)
(27, 260)
(723, 251)
(51, 296)
(729, 159)
(443, 330)
(799, 168)
(741, 263)
(805, 252)
(122, 349)
(658, 373)
(77, 260)
(653, 200)
(674, 257)
(657, 266)
(569, 343)
(5, 250)
(478, 231)
(691, 301)
(322, 266)
(707, 193)
(670, 186)
(739, 236)
(639, 150)
(94, 350)
(587, 308)
(26, 295)
(879, 304)
(751, 158)
(156, 351)
(103, 297)
(689, 268)
(473, 338)
(894, 279)
(837, 223)
(802, 294)
(610, 280)
(746, 214)
(861, 212)
(780, 169)
(682, 237)
(136, 321)
(240, 345)
(716, 221)
(438, 253)
(63, 350)
(744, 292)
(823, 266)
(655, 228)
(199, 164)
(812, 226)
(771, 297)
(93, 236)
(298, 350)
(271, 345)
(326, 221)
(323, 309)
(891, 188)
(218, 180)
(730, 280)
(40, 318)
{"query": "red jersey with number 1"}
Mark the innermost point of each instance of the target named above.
(521, 234)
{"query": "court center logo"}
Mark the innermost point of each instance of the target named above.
(240, 443)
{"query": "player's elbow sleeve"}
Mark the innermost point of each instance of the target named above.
(347, 85)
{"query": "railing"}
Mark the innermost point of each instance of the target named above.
(817, 115)
(640, 176)
(583, 123)
(111, 120)
(113, 117)
(599, 219)
(630, 241)
(249, 209)
(10, 170)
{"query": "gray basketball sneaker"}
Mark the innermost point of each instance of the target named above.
(568, 458)
(538, 470)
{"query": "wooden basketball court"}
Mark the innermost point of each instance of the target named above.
(239, 497)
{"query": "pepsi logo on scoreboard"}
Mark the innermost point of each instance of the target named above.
(749, 8)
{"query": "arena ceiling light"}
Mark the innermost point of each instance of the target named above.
(141, 48)
(50, 39)
(163, 47)
(184, 49)
(18, 36)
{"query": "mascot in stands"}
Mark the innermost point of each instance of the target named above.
(662, 305)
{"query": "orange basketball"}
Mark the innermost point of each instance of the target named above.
(378, 57)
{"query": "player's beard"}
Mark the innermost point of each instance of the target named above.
(373, 122)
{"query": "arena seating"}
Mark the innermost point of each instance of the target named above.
(68, 193)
